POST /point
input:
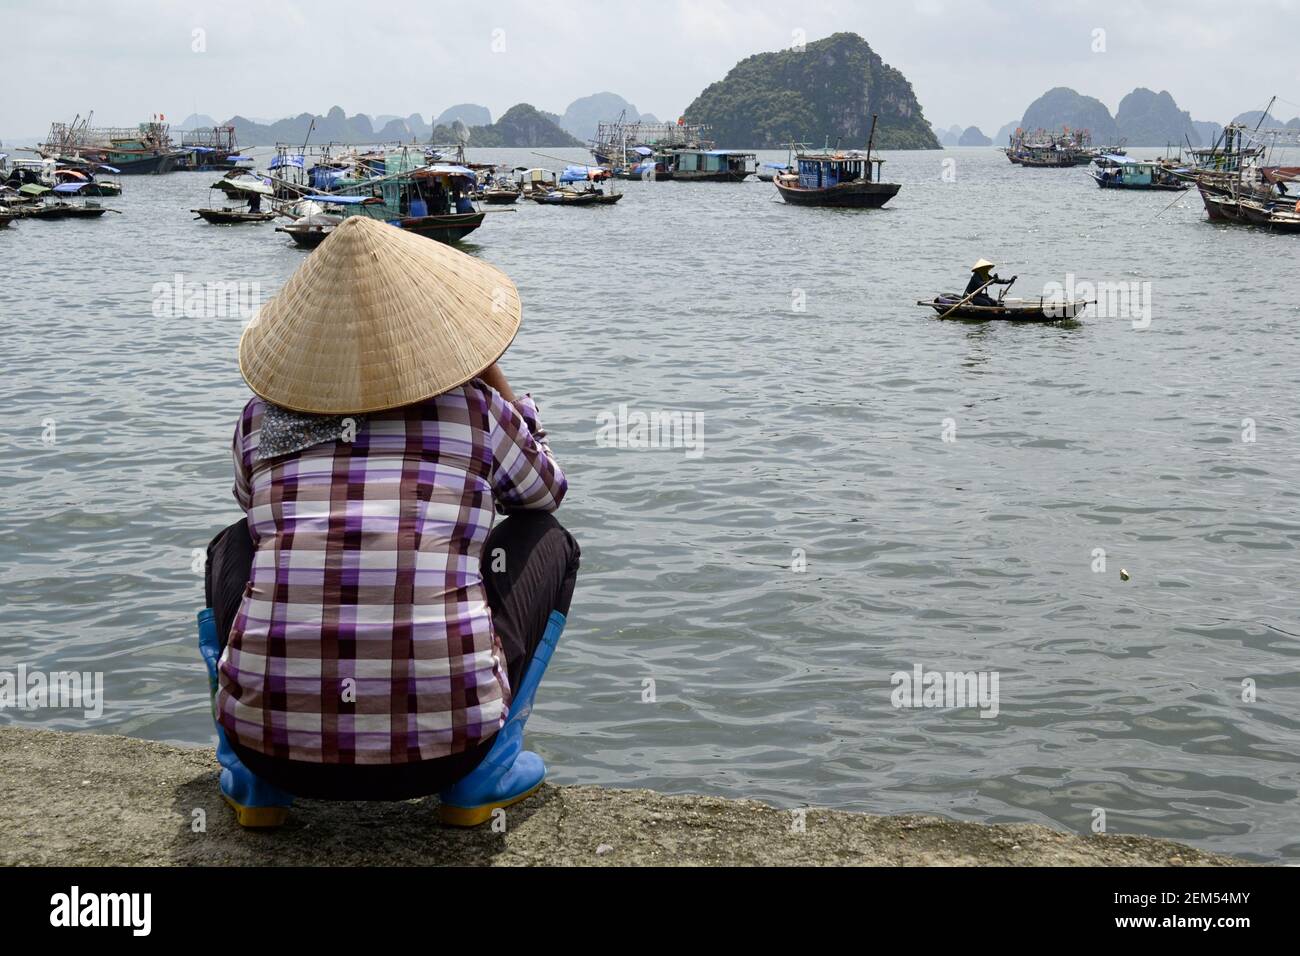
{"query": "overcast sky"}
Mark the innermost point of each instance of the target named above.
(976, 62)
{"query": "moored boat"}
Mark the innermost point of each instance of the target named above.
(848, 180)
(229, 217)
(1120, 172)
(711, 165)
(430, 200)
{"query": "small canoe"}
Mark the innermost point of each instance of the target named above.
(1014, 310)
(500, 197)
(560, 198)
(310, 231)
(230, 217)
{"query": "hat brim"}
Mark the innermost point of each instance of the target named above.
(377, 318)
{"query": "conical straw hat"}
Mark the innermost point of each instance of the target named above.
(377, 318)
(981, 266)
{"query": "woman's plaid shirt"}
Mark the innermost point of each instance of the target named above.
(364, 635)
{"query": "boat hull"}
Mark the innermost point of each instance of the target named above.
(1011, 310)
(505, 198)
(145, 165)
(229, 217)
(1165, 187)
(844, 196)
(449, 228)
(723, 176)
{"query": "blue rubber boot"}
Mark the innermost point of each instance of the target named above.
(508, 773)
(256, 803)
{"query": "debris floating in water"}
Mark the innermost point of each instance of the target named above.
(1123, 575)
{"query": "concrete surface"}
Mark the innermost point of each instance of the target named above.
(90, 799)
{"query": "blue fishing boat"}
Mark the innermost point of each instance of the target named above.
(1120, 172)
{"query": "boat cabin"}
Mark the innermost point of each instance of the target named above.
(824, 170)
(721, 165)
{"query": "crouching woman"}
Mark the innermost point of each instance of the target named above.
(370, 633)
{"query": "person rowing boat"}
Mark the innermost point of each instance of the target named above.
(982, 276)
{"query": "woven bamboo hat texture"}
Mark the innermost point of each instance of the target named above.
(982, 266)
(377, 318)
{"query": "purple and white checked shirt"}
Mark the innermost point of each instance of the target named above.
(364, 635)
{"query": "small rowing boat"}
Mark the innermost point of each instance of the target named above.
(229, 217)
(950, 305)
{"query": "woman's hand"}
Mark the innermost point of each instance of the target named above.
(493, 376)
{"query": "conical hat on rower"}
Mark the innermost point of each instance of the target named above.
(377, 318)
(982, 266)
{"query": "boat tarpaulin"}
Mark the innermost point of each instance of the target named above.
(439, 169)
(239, 159)
(1281, 174)
(70, 187)
(580, 174)
(643, 150)
(31, 189)
(249, 185)
(341, 200)
(1115, 160)
(287, 161)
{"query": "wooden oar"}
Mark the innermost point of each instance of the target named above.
(986, 284)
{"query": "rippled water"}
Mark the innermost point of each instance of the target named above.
(822, 441)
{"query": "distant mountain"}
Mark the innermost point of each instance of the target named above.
(471, 114)
(829, 90)
(1146, 118)
(1293, 122)
(334, 127)
(1004, 134)
(520, 126)
(1207, 131)
(947, 137)
(973, 137)
(1063, 106)
(582, 115)
(195, 121)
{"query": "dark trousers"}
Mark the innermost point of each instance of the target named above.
(540, 568)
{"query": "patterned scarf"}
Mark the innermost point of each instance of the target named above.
(285, 432)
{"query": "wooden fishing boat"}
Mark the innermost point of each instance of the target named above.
(310, 231)
(1120, 172)
(63, 210)
(500, 196)
(6, 217)
(565, 197)
(1048, 159)
(430, 200)
(229, 217)
(841, 180)
(845, 180)
(1014, 310)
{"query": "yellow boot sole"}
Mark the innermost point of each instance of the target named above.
(476, 816)
(258, 818)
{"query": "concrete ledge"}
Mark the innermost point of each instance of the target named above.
(95, 800)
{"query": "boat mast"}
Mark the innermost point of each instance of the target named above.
(871, 142)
